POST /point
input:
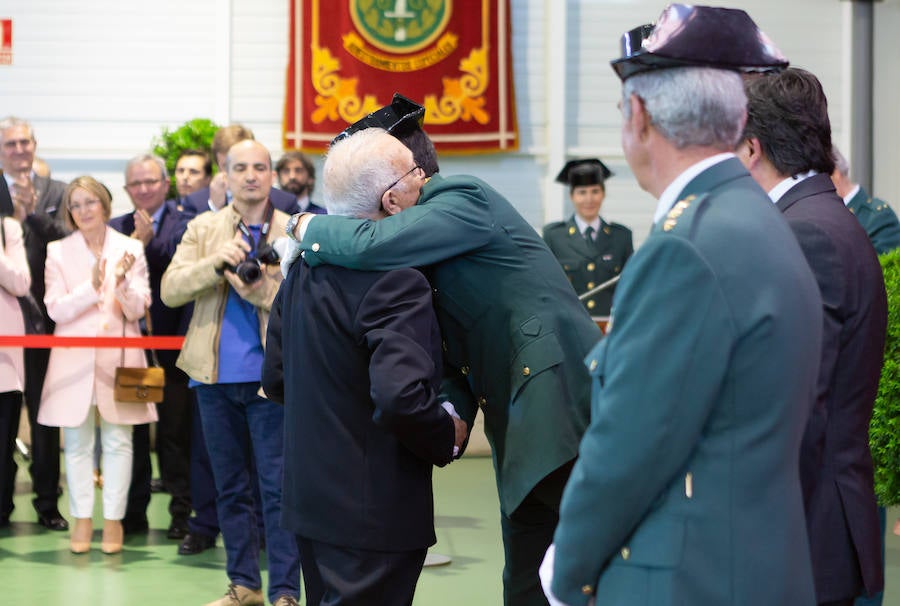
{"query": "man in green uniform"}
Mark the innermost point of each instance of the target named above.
(686, 489)
(590, 250)
(876, 216)
(515, 335)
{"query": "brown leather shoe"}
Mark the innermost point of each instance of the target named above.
(80, 541)
(238, 595)
(286, 600)
(113, 537)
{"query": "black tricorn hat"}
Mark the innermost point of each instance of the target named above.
(698, 36)
(584, 172)
(400, 118)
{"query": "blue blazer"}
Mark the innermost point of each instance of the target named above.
(166, 320)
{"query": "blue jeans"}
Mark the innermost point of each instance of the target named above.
(236, 420)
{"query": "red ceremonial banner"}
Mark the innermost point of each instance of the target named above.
(6, 41)
(348, 57)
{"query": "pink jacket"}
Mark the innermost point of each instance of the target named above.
(74, 374)
(15, 280)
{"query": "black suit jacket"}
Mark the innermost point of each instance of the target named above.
(835, 463)
(198, 202)
(166, 320)
(356, 357)
(43, 226)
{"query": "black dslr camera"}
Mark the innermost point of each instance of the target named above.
(250, 270)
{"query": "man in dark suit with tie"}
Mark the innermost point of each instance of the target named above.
(686, 489)
(787, 147)
(217, 195)
(37, 200)
(159, 224)
(357, 476)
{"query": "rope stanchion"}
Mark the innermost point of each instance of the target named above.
(51, 341)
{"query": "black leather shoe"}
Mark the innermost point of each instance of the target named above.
(135, 525)
(178, 529)
(52, 520)
(196, 543)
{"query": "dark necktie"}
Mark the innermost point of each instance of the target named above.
(589, 234)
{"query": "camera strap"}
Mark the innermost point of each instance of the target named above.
(263, 233)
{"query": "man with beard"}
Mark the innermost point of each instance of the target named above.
(297, 175)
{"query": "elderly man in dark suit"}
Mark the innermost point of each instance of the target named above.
(159, 224)
(37, 200)
(515, 334)
(686, 490)
(357, 477)
(787, 147)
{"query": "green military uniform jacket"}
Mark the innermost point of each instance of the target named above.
(515, 335)
(590, 263)
(878, 219)
(686, 490)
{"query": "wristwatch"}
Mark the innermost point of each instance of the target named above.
(292, 222)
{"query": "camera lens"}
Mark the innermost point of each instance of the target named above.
(248, 271)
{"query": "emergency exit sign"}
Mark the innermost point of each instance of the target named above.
(5, 41)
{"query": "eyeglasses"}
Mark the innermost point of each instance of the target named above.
(405, 175)
(75, 208)
(148, 183)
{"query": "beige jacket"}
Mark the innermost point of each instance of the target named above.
(191, 276)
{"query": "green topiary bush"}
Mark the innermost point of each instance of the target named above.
(193, 134)
(884, 431)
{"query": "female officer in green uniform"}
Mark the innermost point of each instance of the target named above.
(590, 250)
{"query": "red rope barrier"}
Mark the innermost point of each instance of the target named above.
(50, 341)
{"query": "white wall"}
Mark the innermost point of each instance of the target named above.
(100, 78)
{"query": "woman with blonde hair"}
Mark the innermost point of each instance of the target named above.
(97, 285)
(15, 281)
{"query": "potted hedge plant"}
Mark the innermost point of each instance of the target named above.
(884, 431)
(193, 134)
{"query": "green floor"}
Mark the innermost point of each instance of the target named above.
(37, 568)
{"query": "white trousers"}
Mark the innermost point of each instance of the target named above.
(117, 455)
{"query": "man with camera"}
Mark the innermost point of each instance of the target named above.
(225, 265)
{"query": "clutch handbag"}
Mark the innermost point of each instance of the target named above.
(140, 384)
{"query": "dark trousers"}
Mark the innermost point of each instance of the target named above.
(878, 598)
(44, 467)
(341, 576)
(173, 440)
(527, 533)
(10, 409)
(141, 474)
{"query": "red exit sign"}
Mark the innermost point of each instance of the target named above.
(5, 41)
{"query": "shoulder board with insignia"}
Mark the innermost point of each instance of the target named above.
(682, 212)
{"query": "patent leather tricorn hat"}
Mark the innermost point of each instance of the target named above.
(590, 171)
(400, 118)
(698, 36)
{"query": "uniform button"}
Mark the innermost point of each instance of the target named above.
(315, 247)
(444, 345)
(526, 371)
(626, 553)
(590, 285)
(593, 364)
(587, 590)
(482, 401)
(591, 267)
(465, 371)
(617, 269)
(591, 304)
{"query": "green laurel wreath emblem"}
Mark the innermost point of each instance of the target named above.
(400, 26)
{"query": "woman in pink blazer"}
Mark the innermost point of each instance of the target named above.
(97, 281)
(15, 280)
